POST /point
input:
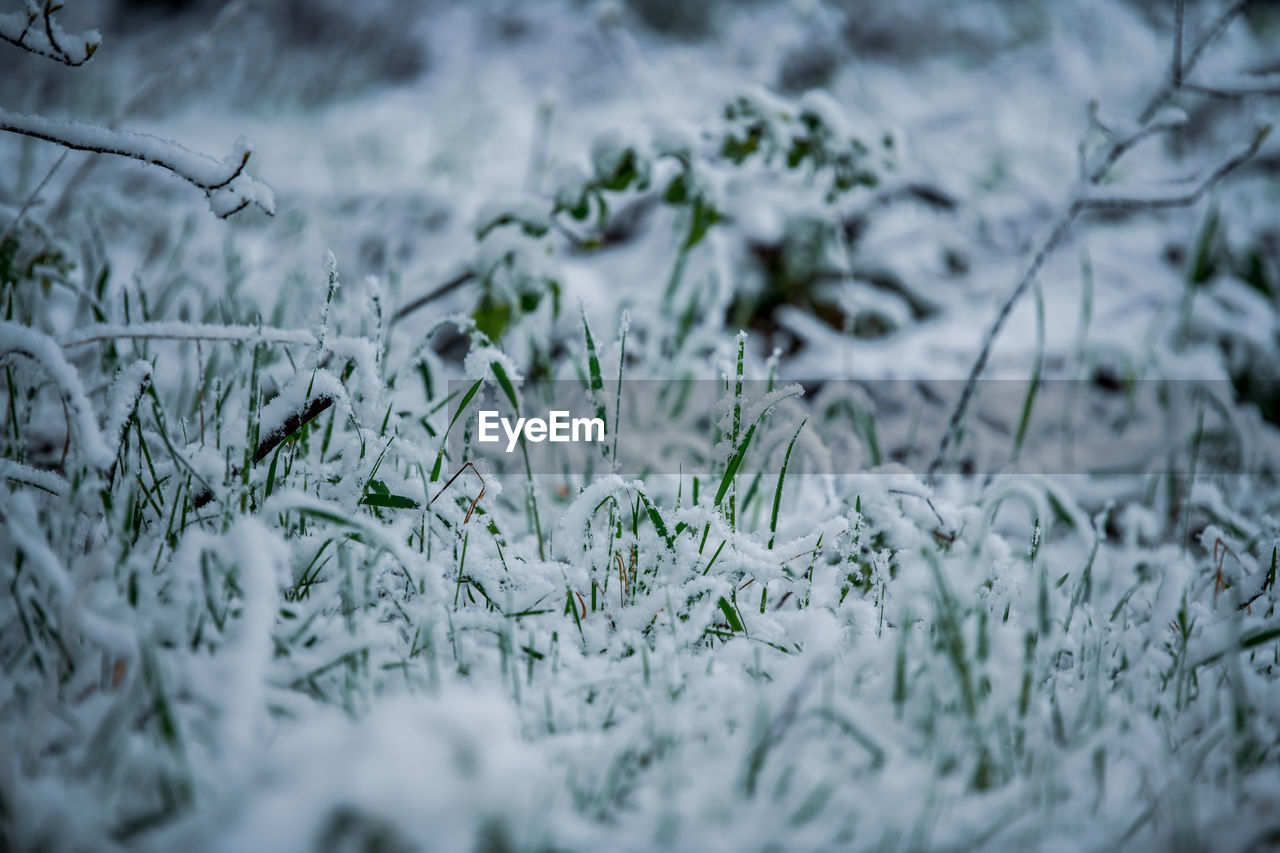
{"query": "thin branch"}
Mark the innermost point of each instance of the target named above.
(474, 501)
(1215, 31)
(229, 189)
(1167, 195)
(1237, 86)
(1056, 236)
(1179, 18)
(942, 522)
(427, 298)
(1125, 138)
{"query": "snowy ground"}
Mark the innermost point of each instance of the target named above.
(234, 617)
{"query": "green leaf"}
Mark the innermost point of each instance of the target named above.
(1205, 261)
(703, 216)
(730, 616)
(505, 384)
(528, 226)
(389, 501)
(628, 168)
(677, 192)
(593, 368)
(782, 478)
(656, 519)
(463, 405)
(492, 316)
(271, 471)
(1028, 403)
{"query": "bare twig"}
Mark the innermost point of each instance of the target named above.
(1215, 31)
(426, 299)
(924, 498)
(1165, 120)
(474, 501)
(1179, 17)
(1168, 195)
(1237, 87)
(1056, 236)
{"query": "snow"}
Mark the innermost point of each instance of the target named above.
(1034, 655)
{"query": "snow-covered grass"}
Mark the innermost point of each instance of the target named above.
(260, 594)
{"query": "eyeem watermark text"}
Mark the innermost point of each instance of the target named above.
(557, 427)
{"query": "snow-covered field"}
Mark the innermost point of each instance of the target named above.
(264, 590)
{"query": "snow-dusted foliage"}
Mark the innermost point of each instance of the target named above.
(952, 522)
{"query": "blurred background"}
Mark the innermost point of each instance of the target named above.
(385, 126)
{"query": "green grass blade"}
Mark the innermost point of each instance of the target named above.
(735, 461)
(782, 478)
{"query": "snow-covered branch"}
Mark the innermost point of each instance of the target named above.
(225, 182)
(34, 29)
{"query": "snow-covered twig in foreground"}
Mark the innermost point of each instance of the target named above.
(34, 29)
(226, 184)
